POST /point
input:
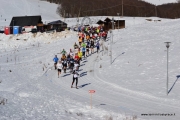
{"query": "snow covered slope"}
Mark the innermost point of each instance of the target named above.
(134, 84)
(10, 8)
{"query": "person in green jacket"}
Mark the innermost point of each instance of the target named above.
(83, 45)
(63, 52)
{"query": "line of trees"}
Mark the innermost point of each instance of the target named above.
(134, 8)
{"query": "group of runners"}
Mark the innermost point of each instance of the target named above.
(88, 39)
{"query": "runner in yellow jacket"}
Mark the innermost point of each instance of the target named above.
(80, 54)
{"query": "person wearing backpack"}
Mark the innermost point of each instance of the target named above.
(56, 59)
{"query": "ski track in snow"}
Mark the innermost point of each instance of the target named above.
(98, 82)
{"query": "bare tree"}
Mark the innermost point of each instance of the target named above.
(81, 8)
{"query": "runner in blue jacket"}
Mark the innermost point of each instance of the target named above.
(83, 51)
(55, 61)
(97, 46)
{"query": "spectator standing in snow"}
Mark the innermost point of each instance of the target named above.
(59, 67)
(55, 61)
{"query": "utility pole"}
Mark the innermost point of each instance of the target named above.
(122, 8)
(167, 45)
(112, 28)
(110, 43)
(118, 21)
(156, 10)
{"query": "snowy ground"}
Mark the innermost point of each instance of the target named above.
(10, 8)
(134, 84)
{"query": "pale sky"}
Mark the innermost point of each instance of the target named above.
(159, 2)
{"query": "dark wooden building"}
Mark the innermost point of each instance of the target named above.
(100, 22)
(107, 24)
(26, 21)
(58, 25)
(119, 24)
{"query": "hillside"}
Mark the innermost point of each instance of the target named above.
(133, 8)
(27, 7)
(160, 2)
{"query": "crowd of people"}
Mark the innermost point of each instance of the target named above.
(88, 39)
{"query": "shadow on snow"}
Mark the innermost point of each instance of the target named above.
(81, 86)
(118, 56)
(174, 84)
(66, 75)
(83, 74)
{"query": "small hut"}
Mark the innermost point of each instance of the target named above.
(100, 22)
(58, 25)
(22, 22)
(107, 24)
(118, 24)
(26, 21)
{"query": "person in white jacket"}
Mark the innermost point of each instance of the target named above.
(75, 78)
(71, 53)
(76, 66)
(59, 67)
